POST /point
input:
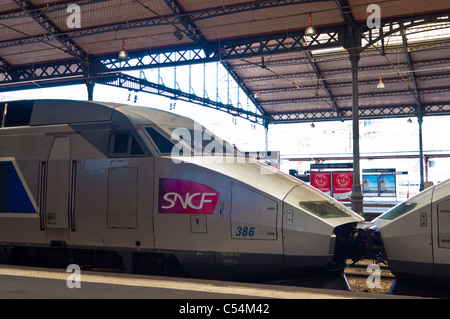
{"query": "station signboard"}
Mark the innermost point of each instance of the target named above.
(380, 182)
(387, 185)
(370, 185)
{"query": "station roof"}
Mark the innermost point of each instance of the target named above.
(289, 76)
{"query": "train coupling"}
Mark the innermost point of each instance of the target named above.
(360, 242)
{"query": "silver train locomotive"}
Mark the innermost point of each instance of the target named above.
(105, 184)
(416, 237)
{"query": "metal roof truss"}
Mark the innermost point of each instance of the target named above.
(106, 69)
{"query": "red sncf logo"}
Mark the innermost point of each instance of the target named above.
(178, 196)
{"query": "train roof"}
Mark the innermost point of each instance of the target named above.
(56, 112)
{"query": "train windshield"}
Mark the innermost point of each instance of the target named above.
(420, 200)
(399, 210)
(324, 209)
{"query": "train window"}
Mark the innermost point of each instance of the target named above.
(163, 144)
(13, 195)
(2, 111)
(121, 143)
(324, 209)
(5, 172)
(17, 113)
(399, 210)
(136, 148)
(125, 144)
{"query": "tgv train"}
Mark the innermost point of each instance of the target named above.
(100, 184)
(416, 237)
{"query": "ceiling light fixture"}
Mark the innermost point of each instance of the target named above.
(257, 95)
(381, 84)
(178, 34)
(123, 54)
(310, 30)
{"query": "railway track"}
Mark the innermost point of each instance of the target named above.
(364, 277)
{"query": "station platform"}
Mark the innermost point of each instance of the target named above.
(37, 283)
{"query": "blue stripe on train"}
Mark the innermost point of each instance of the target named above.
(13, 196)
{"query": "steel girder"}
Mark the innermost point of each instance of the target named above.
(68, 45)
(364, 113)
(362, 95)
(201, 52)
(178, 19)
(191, 54)
(266, 45)
(141, 85)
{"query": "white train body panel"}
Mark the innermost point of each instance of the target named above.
(95, 176)
(416, 236)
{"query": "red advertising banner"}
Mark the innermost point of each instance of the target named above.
(342, 185)
(322, 181)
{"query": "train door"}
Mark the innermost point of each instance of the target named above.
(253, 216)
(122, 205)
(58, 190)
(441, 251)
(443, 210)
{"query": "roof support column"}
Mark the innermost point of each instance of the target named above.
(357, 197)
(352, 42)
(419, 107)
(90, 89)
(266, 130)
(422, 179)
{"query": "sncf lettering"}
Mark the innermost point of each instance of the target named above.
(179, 196)
(188, 200)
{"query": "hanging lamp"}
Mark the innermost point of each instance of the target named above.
(310, 30)
(123, 54)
